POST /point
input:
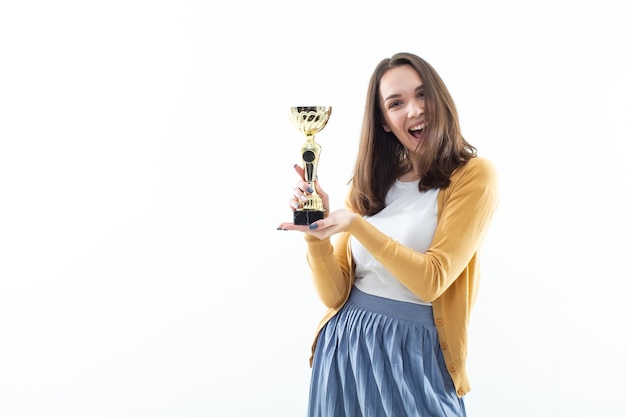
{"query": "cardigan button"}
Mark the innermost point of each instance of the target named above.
(439, 322)
(461, 392)
(444, 345)
(452, 368)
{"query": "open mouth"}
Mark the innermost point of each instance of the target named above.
(416, 131)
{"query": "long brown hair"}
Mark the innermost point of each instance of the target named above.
(381, 158)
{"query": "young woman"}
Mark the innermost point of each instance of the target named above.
(400, 275)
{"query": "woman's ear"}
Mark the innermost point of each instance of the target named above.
(386, 127)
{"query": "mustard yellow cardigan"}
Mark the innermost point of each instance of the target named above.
(446, 275)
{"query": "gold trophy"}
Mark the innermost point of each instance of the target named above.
(310, 120)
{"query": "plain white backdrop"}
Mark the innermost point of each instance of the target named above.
(146, 159)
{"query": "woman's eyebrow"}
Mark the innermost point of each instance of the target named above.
(393, 96)
(396, 95)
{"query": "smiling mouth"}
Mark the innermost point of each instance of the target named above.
(416, 131)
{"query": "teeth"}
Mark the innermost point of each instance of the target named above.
(420, 127)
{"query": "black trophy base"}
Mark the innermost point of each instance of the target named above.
(306, 217)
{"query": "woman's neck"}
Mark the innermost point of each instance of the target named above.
(410, 176)
(413, 174)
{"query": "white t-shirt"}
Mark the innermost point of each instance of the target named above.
(411, 219)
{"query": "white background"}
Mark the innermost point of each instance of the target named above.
(146, 159)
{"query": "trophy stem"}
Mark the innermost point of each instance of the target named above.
(313, 209)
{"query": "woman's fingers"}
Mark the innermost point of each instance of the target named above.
(299, 170)
(301, 194)
(306, 188)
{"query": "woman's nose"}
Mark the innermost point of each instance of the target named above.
(415, 108)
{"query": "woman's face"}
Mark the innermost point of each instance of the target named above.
(402, 98)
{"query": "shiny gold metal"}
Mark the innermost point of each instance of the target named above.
(310, 120)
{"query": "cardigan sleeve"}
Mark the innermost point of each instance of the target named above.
(330, 267)
(464, 215)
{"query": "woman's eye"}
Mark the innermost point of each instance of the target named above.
(394, 104)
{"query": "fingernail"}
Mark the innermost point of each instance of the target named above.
(309, 190)
(313, 227)
(303, 198)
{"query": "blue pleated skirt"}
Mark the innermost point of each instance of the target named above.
(381, 358)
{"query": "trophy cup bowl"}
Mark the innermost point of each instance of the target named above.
(310, 120)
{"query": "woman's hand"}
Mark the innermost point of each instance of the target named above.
(302, 191)
(336, 222)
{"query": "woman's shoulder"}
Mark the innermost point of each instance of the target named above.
(478, 165)
(477, 177)
(479, 171)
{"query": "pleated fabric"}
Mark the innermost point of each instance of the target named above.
(381, 358)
